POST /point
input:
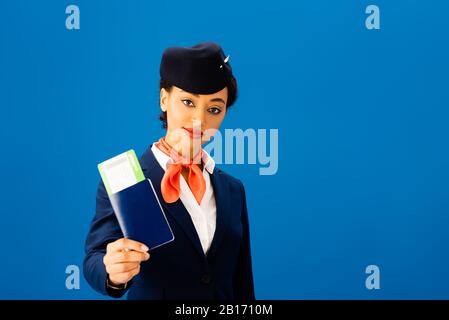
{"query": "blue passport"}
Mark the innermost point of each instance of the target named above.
(141, 216)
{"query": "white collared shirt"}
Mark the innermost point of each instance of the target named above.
(203, 215)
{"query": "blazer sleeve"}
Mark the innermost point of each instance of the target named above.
(104, 229)
(243, 278)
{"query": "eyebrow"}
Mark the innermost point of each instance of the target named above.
(217, 100)
(211, 100)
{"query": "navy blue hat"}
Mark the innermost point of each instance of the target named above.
(201, 69)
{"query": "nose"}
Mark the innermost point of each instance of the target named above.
(199, 116)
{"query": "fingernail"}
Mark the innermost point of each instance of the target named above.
(145, 248)
(147, 255)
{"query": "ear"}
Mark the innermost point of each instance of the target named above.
(164, 99)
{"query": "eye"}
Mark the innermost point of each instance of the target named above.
(214, 110)
(188, 102)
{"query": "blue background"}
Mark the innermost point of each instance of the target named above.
(363, 129)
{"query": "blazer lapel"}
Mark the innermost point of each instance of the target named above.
(152, 170)
(222, 200)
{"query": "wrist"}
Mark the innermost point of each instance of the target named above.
(116, 286)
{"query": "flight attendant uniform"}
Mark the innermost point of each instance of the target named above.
(203, 215)
(210, 257)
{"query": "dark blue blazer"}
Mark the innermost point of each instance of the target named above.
(180, 269)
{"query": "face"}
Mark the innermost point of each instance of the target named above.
(192, 119)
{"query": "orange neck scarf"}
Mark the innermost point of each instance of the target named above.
(170, 184)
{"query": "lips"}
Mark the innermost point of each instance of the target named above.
(197, 134)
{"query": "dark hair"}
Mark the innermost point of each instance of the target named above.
(232, 96)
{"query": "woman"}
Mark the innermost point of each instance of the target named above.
(210, 257)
